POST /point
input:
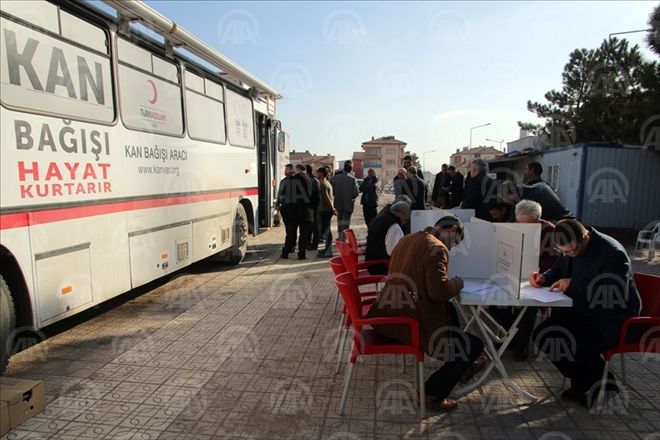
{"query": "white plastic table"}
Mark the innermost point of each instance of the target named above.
(497, 296)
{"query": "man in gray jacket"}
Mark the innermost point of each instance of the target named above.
(346, 190)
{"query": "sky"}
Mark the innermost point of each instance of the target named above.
(424, 72)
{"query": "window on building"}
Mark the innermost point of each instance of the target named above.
(391, 151)
(391, 162)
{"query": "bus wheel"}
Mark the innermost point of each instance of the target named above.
(239, 249)
(7, 322)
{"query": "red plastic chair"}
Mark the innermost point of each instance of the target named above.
(367, 342)
(350, 259)
(648, 287)
(360, 248)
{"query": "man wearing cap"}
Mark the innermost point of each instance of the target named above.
(418, 286)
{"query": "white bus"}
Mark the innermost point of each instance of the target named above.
(125, 155)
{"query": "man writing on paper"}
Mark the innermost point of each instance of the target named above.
(595, 271)
(418, 286)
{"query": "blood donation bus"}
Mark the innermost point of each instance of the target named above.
(129, 149)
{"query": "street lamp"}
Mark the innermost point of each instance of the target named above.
(472, 128)
(424, 158)
(499, 142)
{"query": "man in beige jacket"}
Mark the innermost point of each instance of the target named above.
(418, 286)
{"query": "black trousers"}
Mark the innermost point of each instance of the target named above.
(316, 228)
(505, 317)
(574, 346)
(465, 349)
(326, 231)
(369, 213)
(297, 219)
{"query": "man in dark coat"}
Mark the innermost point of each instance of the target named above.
(315, 226)
(455, 187)
(369, 199)
(418, 286)
(297, 202)
(479, 191)
(415, 188)
(532, 173)
(384, 233)
(595, 271)
(440, 194)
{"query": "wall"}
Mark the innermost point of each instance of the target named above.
(570, 161)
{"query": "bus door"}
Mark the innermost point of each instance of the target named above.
(265, 172)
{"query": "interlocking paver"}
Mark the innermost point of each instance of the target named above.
(248, 352)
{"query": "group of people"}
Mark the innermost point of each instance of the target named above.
(590, 267)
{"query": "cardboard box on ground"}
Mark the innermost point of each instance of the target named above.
(20, 400)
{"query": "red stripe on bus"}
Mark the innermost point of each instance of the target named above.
(22, 219)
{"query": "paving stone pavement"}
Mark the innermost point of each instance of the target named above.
(247, 352)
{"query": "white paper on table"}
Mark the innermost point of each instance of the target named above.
(475, 286)
(541, 294)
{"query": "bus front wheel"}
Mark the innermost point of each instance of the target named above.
(239, 248)
(7, 323)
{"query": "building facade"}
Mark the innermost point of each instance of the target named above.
(463, 158)
(384, 155)
(316, 161)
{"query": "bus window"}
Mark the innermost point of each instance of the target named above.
(149, 91)
(240, 120)
(204, 111)
(46, 74)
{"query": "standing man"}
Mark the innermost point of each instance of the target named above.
(595, 271)
(296, 197)
(285, 209)
(440, 194)
(418, 286)
(346, 190)
(532, 173)
(326, 211)
(316, 224)
(415, 188)
(455, 187)
(369, 197)
(480, 190)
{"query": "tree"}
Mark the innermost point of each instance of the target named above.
(607, 95)
(653, 37)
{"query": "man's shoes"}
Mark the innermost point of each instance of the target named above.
(521, 354)
(324, 254)
(573, 394)
(476, 367)
(285, 256)
(312, 247)
(302, 257)
(444, 405)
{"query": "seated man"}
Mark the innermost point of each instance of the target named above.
(418, 286)
(595, 271)
(527, 211)
(384, 233)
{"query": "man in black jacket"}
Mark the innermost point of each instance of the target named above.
(296, 196)
(440, 194)
(479, 191)
(455, 187)
(595, 271)
(415, 188)
(384, 232)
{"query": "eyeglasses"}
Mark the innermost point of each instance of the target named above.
(571, 251)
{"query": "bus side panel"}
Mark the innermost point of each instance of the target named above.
(17, 240)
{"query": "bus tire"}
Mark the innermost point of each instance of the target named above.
(7, 323)
(239, 248)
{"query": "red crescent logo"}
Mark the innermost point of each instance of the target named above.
(155, 91)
